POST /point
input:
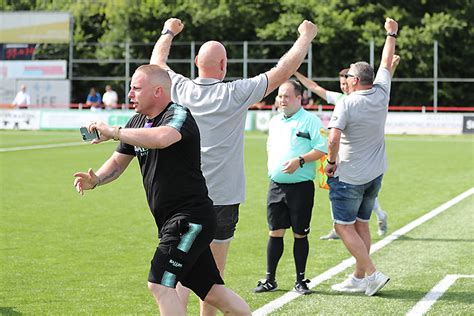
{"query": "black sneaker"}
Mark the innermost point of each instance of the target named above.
(302, 287)
(265, 286)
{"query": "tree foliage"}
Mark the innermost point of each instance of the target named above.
(346, 28)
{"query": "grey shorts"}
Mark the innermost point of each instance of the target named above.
(227, 218)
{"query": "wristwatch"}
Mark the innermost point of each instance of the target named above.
(167, 31)
(392, 34)
(301, 159)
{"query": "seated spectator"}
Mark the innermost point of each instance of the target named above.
(94, 100)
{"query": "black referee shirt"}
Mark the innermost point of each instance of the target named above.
(172, 176)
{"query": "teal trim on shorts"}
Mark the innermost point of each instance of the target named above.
(168, 279)
(188, 238)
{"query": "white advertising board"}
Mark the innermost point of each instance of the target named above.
(262, 118)
(20, 119)
(33, 69)
(73, 119)
(397, 123)
(424, 123)
(47, 93)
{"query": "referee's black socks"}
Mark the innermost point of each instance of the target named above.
(274, 253)
(300, 253)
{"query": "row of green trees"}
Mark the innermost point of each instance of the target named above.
(345, 29)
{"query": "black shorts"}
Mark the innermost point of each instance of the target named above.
(183, 255)
(227, 218)
(290, 205)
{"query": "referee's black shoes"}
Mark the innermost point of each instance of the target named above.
(302, 287)
(265, 286)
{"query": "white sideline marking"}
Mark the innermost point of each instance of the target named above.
(289, 296)
(2, 150)
(436, 292)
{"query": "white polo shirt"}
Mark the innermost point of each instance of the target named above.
(361, 117)
(21, 99)
(220, 111)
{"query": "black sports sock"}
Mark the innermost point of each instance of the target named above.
(274, 253)
(300, 253)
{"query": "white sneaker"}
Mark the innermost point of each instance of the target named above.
(382, 224)
(377, 283)
(331, 236)
(350, 285)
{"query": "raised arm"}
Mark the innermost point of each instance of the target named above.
(171, 28)
(311, 85)
(291, 61)
(391, 27)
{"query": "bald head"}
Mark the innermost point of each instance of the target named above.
(156, 76)
(212, 60)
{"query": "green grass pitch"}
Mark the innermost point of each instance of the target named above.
(64, 254)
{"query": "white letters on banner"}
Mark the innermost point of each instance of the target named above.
(20, 119)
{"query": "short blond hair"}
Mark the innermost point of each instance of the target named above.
(156, 75)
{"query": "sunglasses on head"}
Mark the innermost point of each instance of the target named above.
(348, 75)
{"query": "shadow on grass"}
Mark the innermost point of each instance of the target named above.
(9, 311)
(406, 238)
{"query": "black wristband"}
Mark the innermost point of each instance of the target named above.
(392, 34)
(301, 159)
(331, 162)
(167, 31)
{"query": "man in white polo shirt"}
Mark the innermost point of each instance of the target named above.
(294, 144)
(220, 110)
(22, 98)
(357, 162)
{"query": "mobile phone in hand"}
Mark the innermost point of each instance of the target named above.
(86, 136)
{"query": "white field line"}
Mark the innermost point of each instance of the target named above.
(436, 292)
(2, 150)
(289, 296)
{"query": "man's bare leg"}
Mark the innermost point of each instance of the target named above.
(167, 300)
(357, 247)
(183, 294)
(228, 302)
(219, 251)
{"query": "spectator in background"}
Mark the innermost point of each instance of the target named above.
(94, 100)
(305, 99)
(22, 98)
(110, 98)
